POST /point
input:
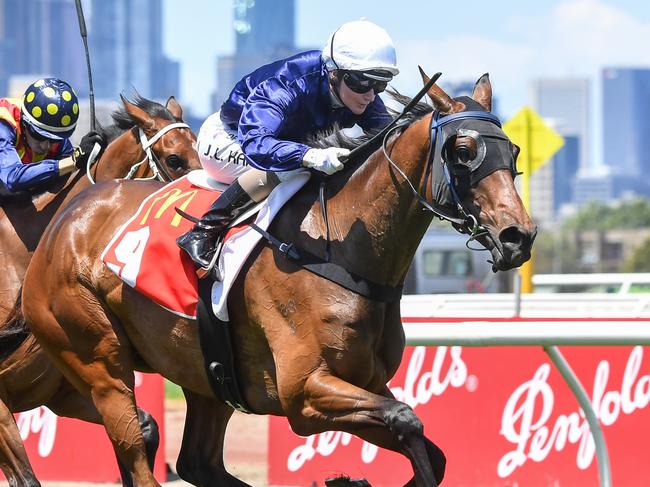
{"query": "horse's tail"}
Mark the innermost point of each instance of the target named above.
(14, 331)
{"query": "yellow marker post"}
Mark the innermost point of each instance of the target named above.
(538, 142)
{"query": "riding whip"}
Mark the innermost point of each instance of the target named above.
(380, 136)
(84, 37)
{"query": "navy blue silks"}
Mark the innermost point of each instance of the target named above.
(279, 105)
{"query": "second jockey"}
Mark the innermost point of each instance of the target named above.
(34, 135)
(258, 137)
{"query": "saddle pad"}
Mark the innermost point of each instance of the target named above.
(239, 245)
(144, 254)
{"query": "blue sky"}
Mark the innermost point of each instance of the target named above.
(513, 40)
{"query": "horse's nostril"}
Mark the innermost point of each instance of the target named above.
(515, 235)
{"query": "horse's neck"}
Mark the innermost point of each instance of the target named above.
(376, 216)
(119, 157)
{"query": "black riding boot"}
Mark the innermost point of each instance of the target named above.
(200, 242)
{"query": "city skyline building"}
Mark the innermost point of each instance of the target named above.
(266, 28)
(626, 126)
(594, 186)
(41, 37)
(264, 32)
(552, 186)
(126, 42)
(565, 168)
(564, 105)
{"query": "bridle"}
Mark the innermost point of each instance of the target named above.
(157, 169)
(457, 175)
(455, 179)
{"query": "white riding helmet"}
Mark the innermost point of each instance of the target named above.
(361, 45)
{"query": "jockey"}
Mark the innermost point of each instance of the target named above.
(34, 135)
(258, 137)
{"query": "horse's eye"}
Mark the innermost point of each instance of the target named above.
(175, 162)
(465, 153)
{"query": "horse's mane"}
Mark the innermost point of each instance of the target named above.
(122, 121)
(336, 137)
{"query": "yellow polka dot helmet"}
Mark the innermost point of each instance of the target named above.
(51, 108)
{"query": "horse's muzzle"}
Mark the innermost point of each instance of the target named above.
(513, 248)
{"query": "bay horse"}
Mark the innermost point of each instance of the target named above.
(305, 347)
(27, 377)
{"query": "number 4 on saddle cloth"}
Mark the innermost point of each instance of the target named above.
(145, 256)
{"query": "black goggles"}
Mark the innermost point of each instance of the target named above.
(358, 83)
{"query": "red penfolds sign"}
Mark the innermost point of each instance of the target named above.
(503, 416)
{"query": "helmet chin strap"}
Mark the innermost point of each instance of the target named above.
(335, 87)
(332, 52)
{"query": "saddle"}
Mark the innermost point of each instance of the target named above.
(15, 197)
(149, 237)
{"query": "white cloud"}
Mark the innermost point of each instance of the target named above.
(588, 34)
(576, 39)
(462, 58)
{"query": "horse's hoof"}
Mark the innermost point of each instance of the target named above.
(346, 482)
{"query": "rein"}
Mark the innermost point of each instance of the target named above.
(323, 267)
(156, 167)
(357, 153)
(381, 136)
(468, 223)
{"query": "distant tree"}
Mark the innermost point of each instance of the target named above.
(639, 261)
(600, 216)
(590, 217)
(544, 252)
(556, 252)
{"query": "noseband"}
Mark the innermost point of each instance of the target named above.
(334, 272)
(157, 169)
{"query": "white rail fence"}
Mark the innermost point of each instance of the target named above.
(592, 305)
(617, 282)
(607, 320)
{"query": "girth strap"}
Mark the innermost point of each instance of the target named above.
(216, 346)
(334, 272)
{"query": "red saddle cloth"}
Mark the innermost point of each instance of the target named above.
(144, 251)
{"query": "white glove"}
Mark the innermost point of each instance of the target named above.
(325, 160)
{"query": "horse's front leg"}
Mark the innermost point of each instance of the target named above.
(435, 454)
(330, 403)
